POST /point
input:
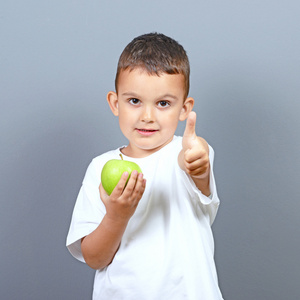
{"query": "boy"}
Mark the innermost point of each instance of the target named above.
(151, 241)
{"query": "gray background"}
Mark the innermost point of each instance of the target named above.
(58, 61)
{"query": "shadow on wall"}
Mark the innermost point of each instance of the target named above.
(256, 137)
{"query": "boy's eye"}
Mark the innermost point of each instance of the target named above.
(134, 101)
(163, 103)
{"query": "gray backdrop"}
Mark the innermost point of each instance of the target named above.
(58, 61)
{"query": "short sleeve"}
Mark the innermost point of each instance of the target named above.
(88, 211)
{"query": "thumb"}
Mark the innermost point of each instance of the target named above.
(190, 126)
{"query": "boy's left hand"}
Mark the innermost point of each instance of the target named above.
(194, 155)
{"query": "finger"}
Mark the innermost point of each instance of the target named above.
(196, 166)
(139, 187)
(118, 190)
(190, 127)
(199, 172)
(196, 153)
(131, 183)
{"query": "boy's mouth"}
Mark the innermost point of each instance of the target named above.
(146, 132)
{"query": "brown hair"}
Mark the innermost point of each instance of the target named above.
(156, 54)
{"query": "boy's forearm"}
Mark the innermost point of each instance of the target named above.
(203, 184)
(100, 246)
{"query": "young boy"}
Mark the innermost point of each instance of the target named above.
(151, 241)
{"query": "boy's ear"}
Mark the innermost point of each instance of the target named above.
(186, 108)
(112, 99)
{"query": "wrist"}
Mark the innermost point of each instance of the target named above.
(203, 183)
(114, 221)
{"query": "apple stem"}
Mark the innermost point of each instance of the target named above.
(121, 156)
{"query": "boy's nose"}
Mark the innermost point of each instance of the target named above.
(148, 115)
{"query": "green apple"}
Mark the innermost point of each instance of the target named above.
(113, 170)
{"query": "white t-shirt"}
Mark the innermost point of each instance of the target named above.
(167, 250)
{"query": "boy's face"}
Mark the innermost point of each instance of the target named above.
(149, 108)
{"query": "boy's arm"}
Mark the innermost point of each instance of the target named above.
(194, 156)
(99, 247)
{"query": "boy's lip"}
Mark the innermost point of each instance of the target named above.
(146, 131)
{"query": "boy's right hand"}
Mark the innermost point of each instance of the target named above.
(100, 246)
(123, 201)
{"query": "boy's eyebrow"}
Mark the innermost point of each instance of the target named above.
(133, 94)
(130, 94)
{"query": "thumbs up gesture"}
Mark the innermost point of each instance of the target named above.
(193, 158)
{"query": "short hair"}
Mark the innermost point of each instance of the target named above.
(156, 54)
